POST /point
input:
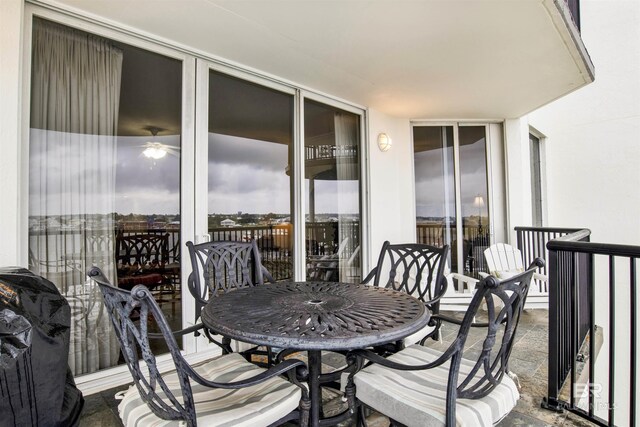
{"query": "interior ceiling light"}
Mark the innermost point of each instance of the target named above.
(153, 149)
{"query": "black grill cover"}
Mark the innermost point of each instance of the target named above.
(36, 386)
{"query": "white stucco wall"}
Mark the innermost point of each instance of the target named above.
(518, 175)
(593, 168)
(593, 135)
(11, 12)
(392, 201)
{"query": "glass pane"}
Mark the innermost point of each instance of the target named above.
(332, 179)
(435, 187)
(536, 184)
(104, 166)
(249, 172)
(474, 197)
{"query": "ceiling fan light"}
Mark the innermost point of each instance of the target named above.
(155, 151)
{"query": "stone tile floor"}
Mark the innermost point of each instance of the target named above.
(528, 361)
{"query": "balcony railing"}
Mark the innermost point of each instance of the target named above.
(593, 329)
(49, 248)
(574, 8)
(532, 242)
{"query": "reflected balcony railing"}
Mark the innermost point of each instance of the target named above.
(275, 241)
(475, 237)
(51, 246)
(328, 152)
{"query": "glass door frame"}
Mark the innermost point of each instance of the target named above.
(201, 151)
(193, 212)
(203, 67)
(364, 186)
(109, 377)
(490, 140)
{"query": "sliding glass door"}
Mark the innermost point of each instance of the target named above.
(332, 187)
(104, 177)
(452, 194)
(281, 168)
(436, 213)
(474, 196)
(249, 181)
(131, 155)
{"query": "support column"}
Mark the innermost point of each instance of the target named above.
(518, 175)
(12, 250)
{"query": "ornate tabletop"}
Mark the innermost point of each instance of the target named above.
(315, 315)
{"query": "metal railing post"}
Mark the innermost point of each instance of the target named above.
(553, 385)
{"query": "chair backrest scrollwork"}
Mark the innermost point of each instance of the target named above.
(122, 307)
(504, 301)
(221, 266)
(414, 268)
(142, 251)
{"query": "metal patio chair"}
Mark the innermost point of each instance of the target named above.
(140, 260)
(326, 268)
(421, 386)
(222, 266)
(227, 390)
(418, 270)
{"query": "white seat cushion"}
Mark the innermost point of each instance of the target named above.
(417, 336)
(237, 346)
(258, 405)
(418, 398)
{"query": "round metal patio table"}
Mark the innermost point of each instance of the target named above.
(315, 316)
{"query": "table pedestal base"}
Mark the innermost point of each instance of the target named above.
(315, 392)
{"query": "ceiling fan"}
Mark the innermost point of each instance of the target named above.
(157, 150)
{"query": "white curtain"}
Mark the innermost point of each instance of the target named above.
(75, 96)
(348, 184)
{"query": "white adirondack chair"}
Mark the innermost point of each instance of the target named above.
(505, 261)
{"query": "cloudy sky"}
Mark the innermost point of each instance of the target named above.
(144, 185)
(72, 174)
(243, 175)
(249, 176)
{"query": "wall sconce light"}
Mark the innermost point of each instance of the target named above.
(384, 142)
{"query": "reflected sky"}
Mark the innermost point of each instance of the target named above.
(144, 185)
(243, 174)
(250, 176)
(430, 181)
(247, 175)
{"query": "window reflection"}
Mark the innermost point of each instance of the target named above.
(249, 177)
(474, 199)
(435, 178)
(435, 187)
(332, 178)
(93, 103)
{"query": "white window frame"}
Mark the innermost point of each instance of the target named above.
(543, 171)
(494, 169)
(111, 377)
(364, 182)
(193, 96)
